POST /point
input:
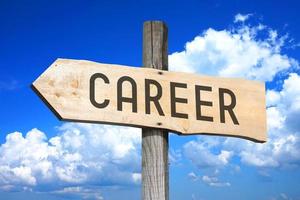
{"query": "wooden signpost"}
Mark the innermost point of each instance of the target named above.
(156, 100)
(185, 103)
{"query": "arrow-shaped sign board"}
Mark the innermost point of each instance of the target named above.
(85, 91)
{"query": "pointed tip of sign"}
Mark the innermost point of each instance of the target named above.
(35, 89)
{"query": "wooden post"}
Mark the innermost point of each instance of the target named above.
(155, 165)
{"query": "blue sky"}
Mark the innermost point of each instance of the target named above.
(43, 158)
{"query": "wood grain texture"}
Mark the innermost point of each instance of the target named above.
(65, 87)
(155, 142)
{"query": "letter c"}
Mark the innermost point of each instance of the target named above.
(92, 90)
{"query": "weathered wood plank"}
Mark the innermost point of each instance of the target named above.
(65, 87)
(155, 166)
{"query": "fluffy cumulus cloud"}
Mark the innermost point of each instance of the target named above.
(83, 192)
(193, 176)
(256, 53)
(80, 155)
(241, 18)
(212, 181)
(238, 52)
(203, 154)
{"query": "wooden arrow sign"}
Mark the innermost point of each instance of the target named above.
(84, 91)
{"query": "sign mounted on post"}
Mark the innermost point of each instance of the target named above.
(78, 90)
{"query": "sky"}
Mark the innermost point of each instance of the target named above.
(44, 158)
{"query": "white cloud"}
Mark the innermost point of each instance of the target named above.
(234, 53)
(275, 119)
(285, 104)
(273, 97)
(83, 192)
(201, 154)
(214, 181)
(81, 154)
(241, 18)
(209, 180)
(174, 156)
(263, 160)
(284, 196)
(193, 176)
(137, 177)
